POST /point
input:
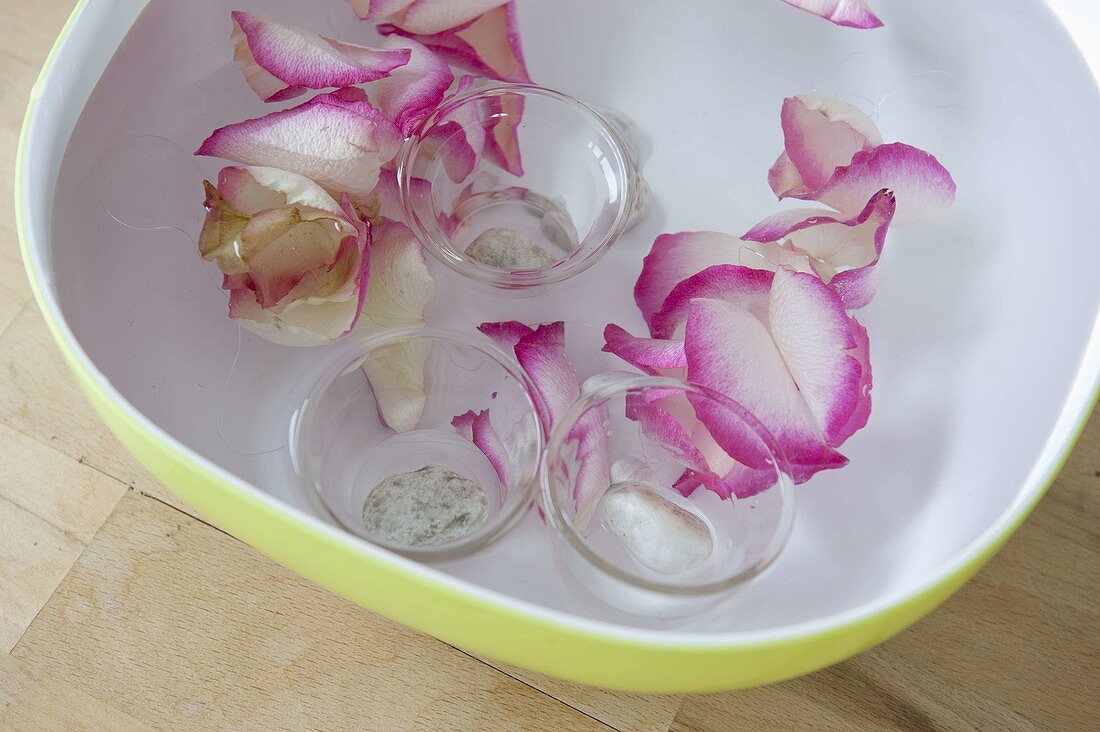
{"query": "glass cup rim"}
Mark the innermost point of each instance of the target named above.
(477, 541)
(430, 237)
(608, 385)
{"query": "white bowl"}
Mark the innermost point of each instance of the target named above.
(985, 339)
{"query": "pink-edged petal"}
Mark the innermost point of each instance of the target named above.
(241, 189)
(923, 188)
(489, 45)
(502, 138)
(820, 134)
(506, 334)
(281, 61)
(593, 478)
(651, 355)
(815, 338)
(434, 16)
(664, 429)
(378, 9)
(335, 139)
(542, 357)
(409, 93)
(400, 285)
(541, 354)
(396, 375)
(730, 282)
(478, 429)
(730, 351)
(842, 252)
(459, 139)
(848, 13)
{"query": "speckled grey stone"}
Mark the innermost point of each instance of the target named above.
(507, 249)
(426, 507)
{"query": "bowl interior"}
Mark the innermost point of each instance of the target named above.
(977, 331)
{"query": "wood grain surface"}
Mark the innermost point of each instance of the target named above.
(121, 609)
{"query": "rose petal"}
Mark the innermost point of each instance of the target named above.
(730, 282)
(281, 61)
(849, 13)
(815, 338)
(335, 139)
(478, 429)
(502, 138)
(820, 134)
(923, 188)
(241, 189)
(654, 356)
(590, 434)
(396, 375)
(541, 354)
(675, 257)
(459, 139)
(664, 429)
(488, 45)
(506, 334)
(731, 351)
(409, 93)
(842, 252)
(433, 16)
(542, 357)
(378, 9)
(400, 284)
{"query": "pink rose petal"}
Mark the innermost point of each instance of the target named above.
(502, 138)
(434, 16)
(378, 9)
(842, 252)
(409, 93)
(488, 45)
(675, 257)
(730, 282)
(820, 134)
(458, 139)
(281, 61)
(541, 354)
(479, 430)
(663, 428)
(336, 139)
(654, 356)
(923, 188)
(731, 351)
(848, 13)
(815, 339)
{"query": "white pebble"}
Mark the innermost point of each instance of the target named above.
(507, 249)
(429, 506)
(659, 534)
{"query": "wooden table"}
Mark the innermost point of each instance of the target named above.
(119, 608)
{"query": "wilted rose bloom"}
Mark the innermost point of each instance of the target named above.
(295, 262)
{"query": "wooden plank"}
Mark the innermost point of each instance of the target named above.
(74, 498)
(39, 398)
(621, 710)
(31, 700)
(1016, 649)
(34, 557)
(176, 623)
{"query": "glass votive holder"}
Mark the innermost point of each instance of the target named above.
(424, 442)
(681, 522)
(518, 186)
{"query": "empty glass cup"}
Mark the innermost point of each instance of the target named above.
(677, 521)
(425, 442)
(518, 186)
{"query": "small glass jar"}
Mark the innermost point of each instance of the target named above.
(670, 536)
(557, 173)
(427, 400)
